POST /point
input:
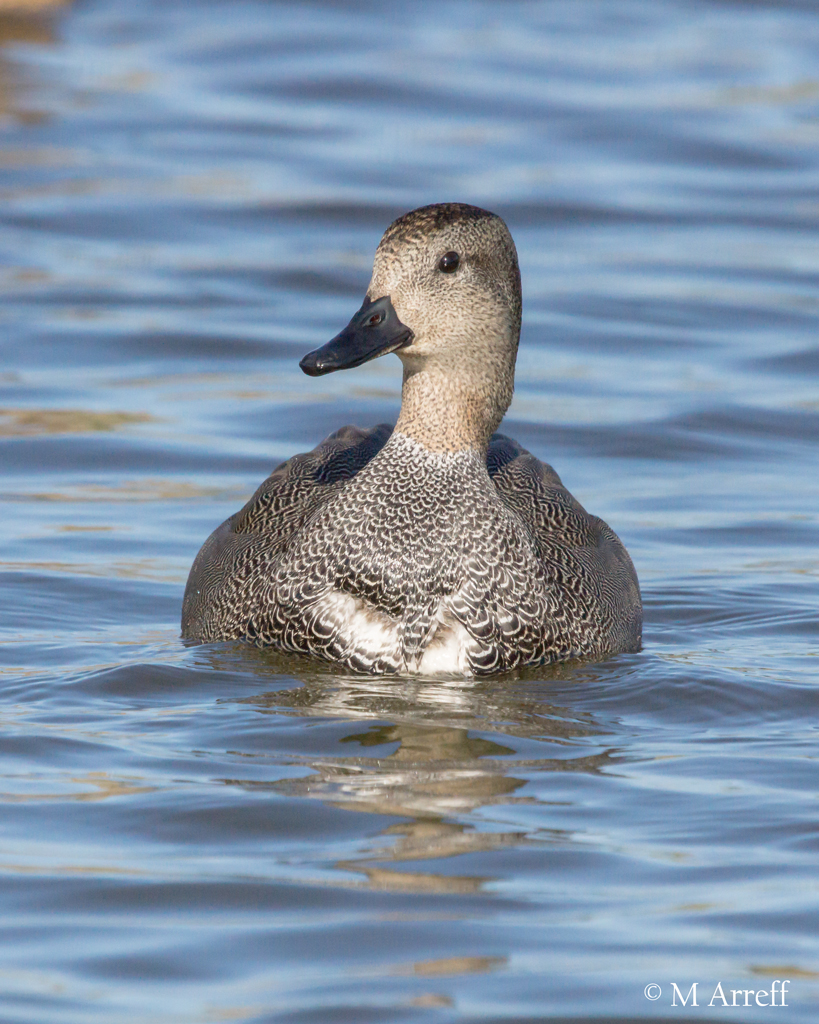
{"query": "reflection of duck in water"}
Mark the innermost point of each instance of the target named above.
(435, 547)
(428, 755)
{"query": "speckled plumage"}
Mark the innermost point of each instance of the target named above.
(434, 547)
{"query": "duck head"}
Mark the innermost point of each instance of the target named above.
(445, 296)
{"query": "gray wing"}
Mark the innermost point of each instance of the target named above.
(583, 559)
(220, 595)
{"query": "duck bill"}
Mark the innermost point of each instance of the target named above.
(374, 331)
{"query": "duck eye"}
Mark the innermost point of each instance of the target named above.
(449, 262)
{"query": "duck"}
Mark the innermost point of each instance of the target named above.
(437, 547)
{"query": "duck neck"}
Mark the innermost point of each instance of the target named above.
(447, 410)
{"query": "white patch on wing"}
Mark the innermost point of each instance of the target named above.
(361, 627)
(373, 634)
(446, 654)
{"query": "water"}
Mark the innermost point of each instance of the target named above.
(191, 196)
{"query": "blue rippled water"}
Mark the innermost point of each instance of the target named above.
(191, 192)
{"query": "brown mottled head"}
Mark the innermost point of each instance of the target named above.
(445, 296)
(451, 270)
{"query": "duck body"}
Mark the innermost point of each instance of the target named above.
(437, 547)
(375, 553)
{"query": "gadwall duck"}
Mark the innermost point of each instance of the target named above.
(438, 546)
